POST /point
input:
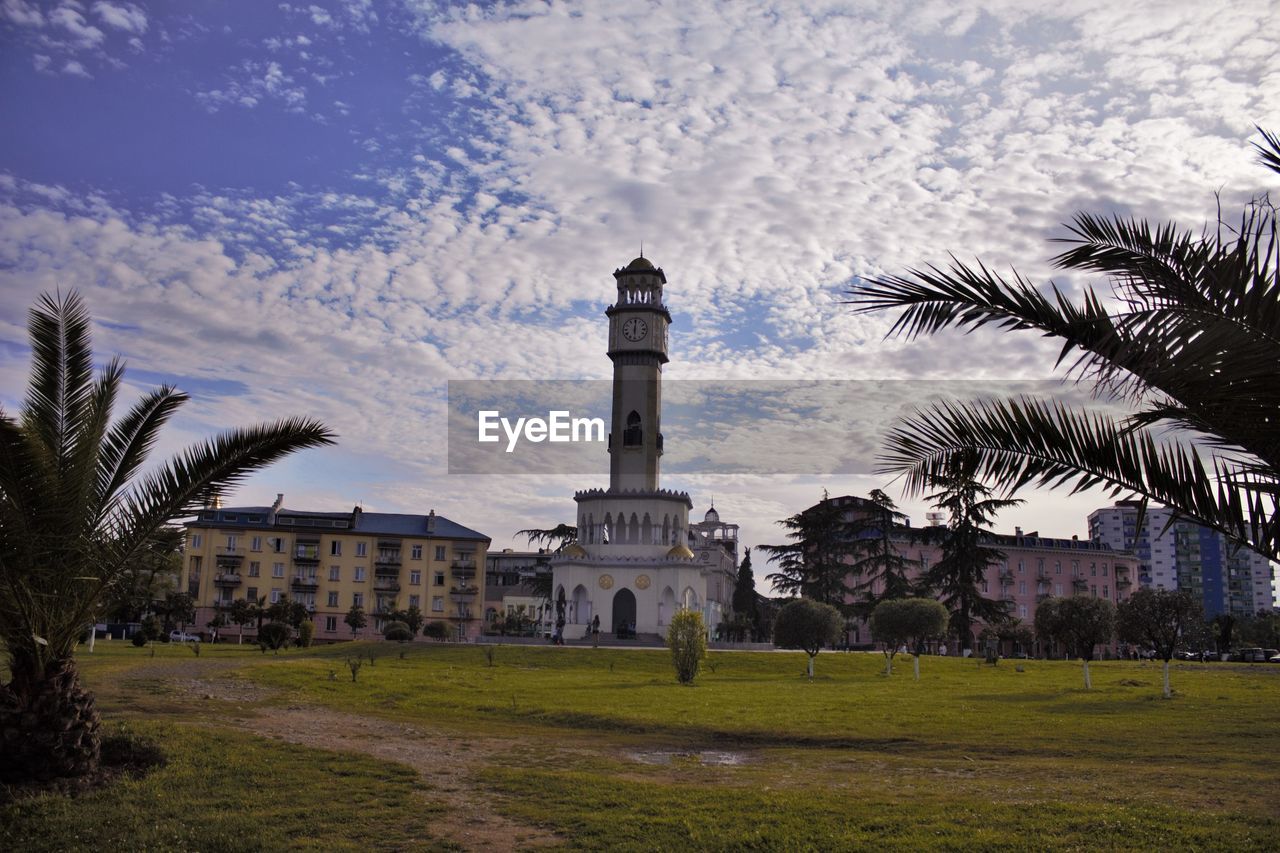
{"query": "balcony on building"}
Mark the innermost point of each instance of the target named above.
(386, 584)
(388, 553)
(229, 557)
(305, 583)
(463, 568)
(227, 579)
(1080, 583)
(464, 593)
(306, 554)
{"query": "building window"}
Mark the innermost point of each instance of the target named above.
(255, 568)
(362, 549)
(253, 594)
(439, 552)
(415, 553)
(1093, 590)
(984, 585)
(333, 598)
(415, 578)
(1022, 611)
(335, 548)
(1106, 592)
(275, 595)
(1019, 567)
(331, 623)
(231, 543)
(255, 544)
(359, 573)
(1104, 570)
(1057, 567)
(415, 601)
(1022, 587)
(335, 573)
(277, 570)
(437, 604)
(439, 579)
(357, 599)
(1075, 568)
(195, 540)
(1057, 589)
(277, 544)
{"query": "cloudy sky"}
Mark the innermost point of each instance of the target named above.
(333, 208)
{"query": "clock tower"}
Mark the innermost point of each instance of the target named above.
(638, 324)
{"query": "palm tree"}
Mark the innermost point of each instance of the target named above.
(75, 513)
(1193, 342)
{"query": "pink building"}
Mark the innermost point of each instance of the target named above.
(1034, 568)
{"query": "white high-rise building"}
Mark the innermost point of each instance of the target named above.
(1188, 556)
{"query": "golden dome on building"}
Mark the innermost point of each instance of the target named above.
(680, 552)
(573, 549)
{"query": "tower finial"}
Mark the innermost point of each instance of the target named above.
(642, 248)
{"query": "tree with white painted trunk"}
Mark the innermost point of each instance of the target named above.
(1155, 619)
(807, 625)
(1080, 623)
(908, 621)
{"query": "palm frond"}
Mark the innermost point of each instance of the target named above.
(1022, 442)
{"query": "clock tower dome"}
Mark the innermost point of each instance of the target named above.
(638, 324)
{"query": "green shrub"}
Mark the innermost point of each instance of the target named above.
(306, 632)
(274, 635)
(139, 639)
(436, 630)
(397, 632)
(687, 639)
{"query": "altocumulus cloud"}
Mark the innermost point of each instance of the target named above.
(767, 154)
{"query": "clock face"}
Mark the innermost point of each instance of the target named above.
(634, 329)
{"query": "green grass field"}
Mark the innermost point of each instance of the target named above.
(601, 749)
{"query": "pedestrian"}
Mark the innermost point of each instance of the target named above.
(558, 639)
(942, 650)
(595, 631)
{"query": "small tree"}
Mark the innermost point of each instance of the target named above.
(436, 630)
(397, 632)
(241, 614)
(274, 636)
(179, 609)
(912, 621)
(1081, 623)
(414, 619)
(1155, 618)
(807, 625)
(151, 628)
(356, 619)
(687, 639)
(306, 633)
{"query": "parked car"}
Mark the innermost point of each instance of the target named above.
(179, 637)
(1274, 658)
(1252, 656)
(1272, 655)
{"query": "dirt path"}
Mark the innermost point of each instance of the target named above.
(446, 761)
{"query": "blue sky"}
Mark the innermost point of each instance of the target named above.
(333, 208)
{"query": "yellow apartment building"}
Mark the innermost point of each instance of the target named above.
(332, 560)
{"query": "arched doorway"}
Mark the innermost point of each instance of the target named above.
(581, 613)
(624, 613)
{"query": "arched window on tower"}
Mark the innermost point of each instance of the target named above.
(633, 435)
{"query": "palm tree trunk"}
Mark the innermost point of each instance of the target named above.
(48, 725)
